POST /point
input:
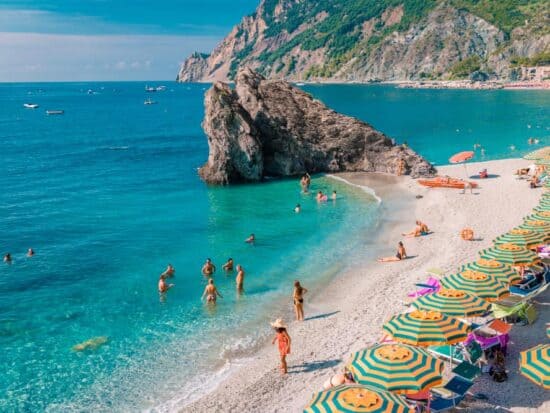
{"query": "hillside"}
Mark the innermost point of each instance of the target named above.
(370, 40)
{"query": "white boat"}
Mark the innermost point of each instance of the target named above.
(300, 84)
(55, 112)
(30, 105)
(160, 88)
(150, 89)
(149, 102)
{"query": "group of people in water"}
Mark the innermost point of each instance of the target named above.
(8, 258)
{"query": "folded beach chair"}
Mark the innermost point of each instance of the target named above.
(467, 371)
(431, 285)
(458, 386)
(441, 404)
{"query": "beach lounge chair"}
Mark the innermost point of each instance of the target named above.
(431, 285)
(458, 385)
(448, 352)
(467, 371)
(441, 404)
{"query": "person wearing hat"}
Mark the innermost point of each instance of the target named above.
(283, 342)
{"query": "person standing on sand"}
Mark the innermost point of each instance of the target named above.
(208, 269)
(298, 298)
(240, 278)
(401, 254)
(283, 340)
(211, 292)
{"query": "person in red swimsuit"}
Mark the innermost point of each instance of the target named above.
(283, 342)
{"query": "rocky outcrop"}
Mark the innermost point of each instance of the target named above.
(270, 128)
(353, 40)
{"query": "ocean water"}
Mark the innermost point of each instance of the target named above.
(108, 194)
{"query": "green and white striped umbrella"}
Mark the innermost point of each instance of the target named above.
(526, 238)
(536, 225)
(539, 216)
(357, 399)
(542, 207)
(543, 162)
(503, 272)
(482, 285)
(510, 254)
(538, 154)
(398, 368)
(535, 365)
(548, 329)
(455, 303)
(426, 328)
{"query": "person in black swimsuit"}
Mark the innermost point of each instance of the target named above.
(401, 254)
(298, 298)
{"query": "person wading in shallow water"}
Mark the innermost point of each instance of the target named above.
(208, 268)
(240, 278)
(211, 292)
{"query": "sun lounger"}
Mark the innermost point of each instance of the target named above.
(458, 385)
(430, 286)
(467, 371)
(441, 404)
(447, 352)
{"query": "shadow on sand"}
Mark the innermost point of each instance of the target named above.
(310, 366)
(315, 317)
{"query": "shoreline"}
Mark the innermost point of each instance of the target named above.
(346, 315)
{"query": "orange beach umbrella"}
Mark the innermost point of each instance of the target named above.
(461, 157)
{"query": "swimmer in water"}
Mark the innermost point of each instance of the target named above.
(305, 182)
(7, 258)
(297, 208)
(169, 271)
(163, 286)
(250, 239)
(30, 252)
(321, 197)
(240, 278)
(208, 268)
(228, 266)
(333, 196)
(211, 292)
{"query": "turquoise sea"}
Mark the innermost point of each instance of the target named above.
(108, 194)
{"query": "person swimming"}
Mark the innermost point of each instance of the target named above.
(250, 239)
(30, 252)
(7, 258)
(321, 197)
(208, 269)
(163, 286)
(240, 278)
(333, 196)
(305, 182)
(298, 208)
(401, 254)
(211, 292)
(169, 271)
(228, 266)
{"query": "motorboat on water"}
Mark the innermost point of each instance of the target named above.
(55, 112)
(30, 105)
(149, 102)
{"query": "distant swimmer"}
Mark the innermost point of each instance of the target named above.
(169, 271)
(298, 208)
(7, 258)
(228, 266)
(208, 268)
(30, 252)
(240, 278)
(321, 197)
(333, 196)
(512, 147)
(211, 292)
(477, 146)
(305, 182)
(251, 239)
(163, 285)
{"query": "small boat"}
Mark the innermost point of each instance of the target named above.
(160, 88)
(55, 112)
(30, 105)
(445, 182)
(149, 102)
(300, 84)
(150, 89)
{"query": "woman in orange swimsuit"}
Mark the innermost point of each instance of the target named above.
(283, 342)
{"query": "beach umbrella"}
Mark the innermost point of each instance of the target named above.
(542, 207)
(539, 216)
(536, 225)
(397, 368)
(462, 157)
(526, 238)
(548, 330)
(535, 365)
(426, 328)
(477, 283)
(503, 272)
(356, 398)
(455, 303)
(510, 254)
(543, 162)
(538, 154)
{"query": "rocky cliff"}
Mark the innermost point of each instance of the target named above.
(270, 128)
(365, 40)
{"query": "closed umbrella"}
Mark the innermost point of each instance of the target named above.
(474, 282)
(510, 254)
(398, 368)
(455, 303)
(426, 328)
(357, 399)
(535, 365)
(502, 272)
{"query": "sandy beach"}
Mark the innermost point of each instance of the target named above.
(347, 315)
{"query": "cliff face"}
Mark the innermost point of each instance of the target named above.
(362, 40)
(270, 128)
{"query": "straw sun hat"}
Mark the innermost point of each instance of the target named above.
(279, 323)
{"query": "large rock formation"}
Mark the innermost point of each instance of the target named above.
(270, 128)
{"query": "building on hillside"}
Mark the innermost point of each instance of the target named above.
(535, 73)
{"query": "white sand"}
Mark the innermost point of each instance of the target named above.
(353, 308)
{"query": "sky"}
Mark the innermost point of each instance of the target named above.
(79, 40)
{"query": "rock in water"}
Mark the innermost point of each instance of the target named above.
(270, 128)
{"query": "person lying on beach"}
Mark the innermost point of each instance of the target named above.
(401, 254)
(169, 271)
(211, 292)
(419, 230)
(240, 278)
(283, 340)
(30, 252)
(208, 268)
(338, 379)
(228, 266)
(298, 208)
(7, 258)
(163, 285)
(298, 298)
(250, 239)
(534, 183)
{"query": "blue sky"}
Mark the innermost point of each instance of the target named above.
(59, 40)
